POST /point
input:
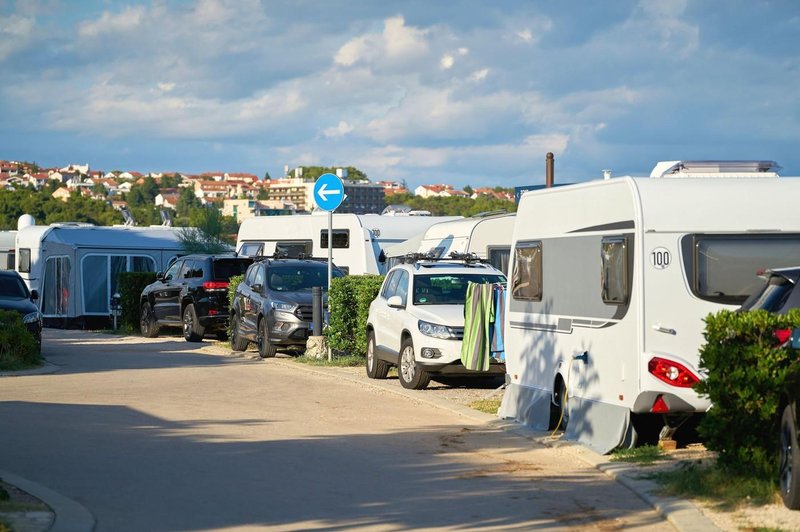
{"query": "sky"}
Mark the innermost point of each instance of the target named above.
(459, 91)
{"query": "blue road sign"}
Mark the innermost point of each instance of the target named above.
(328, 192)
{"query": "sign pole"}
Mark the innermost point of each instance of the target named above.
(330, 266)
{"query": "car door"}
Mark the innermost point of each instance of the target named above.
(251, 299)
(381, 311)
(163, 293)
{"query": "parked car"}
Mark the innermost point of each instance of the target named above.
(192, 294)
(272, 306)
(779, 295)
(14, 295)
(417, 321)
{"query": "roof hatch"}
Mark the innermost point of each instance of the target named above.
(716, 169)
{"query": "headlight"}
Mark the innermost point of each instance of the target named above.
(33, 317)
(285, 307)
(436, 330)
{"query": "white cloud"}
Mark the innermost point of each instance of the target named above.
(525, 36)
(447, 62)
(166, 87)
(479, 75)
(340, 130)
(396, 42)
(15, 34)
(128, 20)
(463, 51)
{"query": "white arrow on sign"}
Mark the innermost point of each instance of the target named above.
(324, 192)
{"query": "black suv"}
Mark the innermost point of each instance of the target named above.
(779, 294)
(193, 294)
(272, 306)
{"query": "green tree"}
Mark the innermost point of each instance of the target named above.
(144, 194)
(170, 181)
(209, 232)
(99, 189)
(468, 190)
(263, 194)
(187, 201)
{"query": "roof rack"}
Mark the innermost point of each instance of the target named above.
(468, 258)
(284, 255)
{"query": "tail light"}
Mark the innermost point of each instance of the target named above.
(215, 285)
(672, 373)
(782, 336)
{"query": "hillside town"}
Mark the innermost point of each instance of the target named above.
(236, 194)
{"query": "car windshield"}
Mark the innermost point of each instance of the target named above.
(299, 278)
(224, 269)
(448, 289)
(12, 288)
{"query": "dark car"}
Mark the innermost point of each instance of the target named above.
(779, 294)
(14, 295)
(192, 294)
(272, 306)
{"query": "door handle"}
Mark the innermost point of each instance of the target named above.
(666, 330)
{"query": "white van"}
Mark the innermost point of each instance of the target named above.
(609, 284)
(357, 244)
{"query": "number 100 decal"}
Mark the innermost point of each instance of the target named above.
(660, 258)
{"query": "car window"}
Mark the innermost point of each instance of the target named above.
(251, 274)
(448, 288)
(12, 288)
(295, 278)
(402, 287)
(259, 277)
(391, 284)
(186, 271)
(224, 269)
(172, 273)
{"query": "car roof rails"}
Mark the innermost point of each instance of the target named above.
(466, 258)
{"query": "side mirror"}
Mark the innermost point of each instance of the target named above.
(395, 302)
(160, 276)
(34, 295)
(257, 288)
(795, 340)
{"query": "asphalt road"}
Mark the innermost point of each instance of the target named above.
(165, 435)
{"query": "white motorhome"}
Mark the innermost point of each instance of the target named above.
(487, 235)
(357, 244)
(609, 284)
(75, 266)
(7, 239)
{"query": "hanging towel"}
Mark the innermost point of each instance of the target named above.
(477, 323)
(498, 350)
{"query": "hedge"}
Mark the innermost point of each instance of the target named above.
(131, 285)
(747, 373)
(348, 304)
(18, 348)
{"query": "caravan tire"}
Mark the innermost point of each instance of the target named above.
(237, 342)
(192, 330)
(147, 322)
(376, 368)
(411, 376)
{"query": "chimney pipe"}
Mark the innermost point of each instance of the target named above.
(549, 171)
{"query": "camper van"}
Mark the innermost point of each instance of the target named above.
(7, 240)
(75, 266)
(487, 235)
(358, 240)
(609, 283)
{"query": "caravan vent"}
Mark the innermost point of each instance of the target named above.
(716, 169)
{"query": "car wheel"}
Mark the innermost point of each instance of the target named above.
(265, 349)
(789, 460)
(147, 322)
(237, 342)
(376, 368)
(410, 374)
(192, 330)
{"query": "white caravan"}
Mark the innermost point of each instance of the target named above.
(358, 239)
(610, 282)
(75, 266)
(7, 239)
(487, 235)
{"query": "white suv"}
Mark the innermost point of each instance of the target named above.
(417, 321)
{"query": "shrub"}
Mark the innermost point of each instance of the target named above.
(131, 285)
(18, 349)
(232, 284)
(747, 373)
(348, 303)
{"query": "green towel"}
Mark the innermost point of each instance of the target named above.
(478, 316)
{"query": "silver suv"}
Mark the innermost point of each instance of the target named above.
(417, 321)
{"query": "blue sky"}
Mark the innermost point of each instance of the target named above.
(461, 92)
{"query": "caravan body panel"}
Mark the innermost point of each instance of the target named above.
(488, 237)
(601, 319)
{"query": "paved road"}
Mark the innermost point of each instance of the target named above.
(165, 435)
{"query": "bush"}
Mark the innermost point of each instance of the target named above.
(131, 285)
(747, 373)
(232, 284)
(348, 303)
(18, 349)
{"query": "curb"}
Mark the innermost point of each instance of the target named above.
(680, 513)
(70, 516)
(44, 369)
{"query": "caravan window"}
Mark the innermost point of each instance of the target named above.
(251, 249)
(725, 268)
(100, 278)
(526, 280)
(25, 260)
(293, 249)
(614, 270)
(341, 238)
(56, 286)
(498, 257)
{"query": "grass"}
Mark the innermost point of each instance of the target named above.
(644, 455)
(714, 485)
(489, 406)
(342, 361)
